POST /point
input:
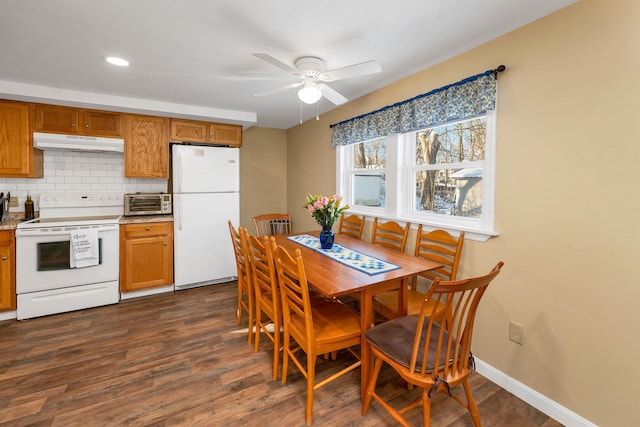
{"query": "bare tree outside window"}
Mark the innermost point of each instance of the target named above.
(448, 173)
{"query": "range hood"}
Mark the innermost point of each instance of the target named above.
(54, 141)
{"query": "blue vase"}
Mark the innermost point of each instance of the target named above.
(326, 237)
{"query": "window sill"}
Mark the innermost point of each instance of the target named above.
(469, 233)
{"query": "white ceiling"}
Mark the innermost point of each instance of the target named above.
(193, 58)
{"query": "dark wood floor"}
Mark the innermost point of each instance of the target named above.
(181, 360)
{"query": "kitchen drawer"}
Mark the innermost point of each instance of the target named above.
(147, 229)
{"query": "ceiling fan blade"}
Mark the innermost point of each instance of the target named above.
(332, 95)
(356, 70)
(274, 61)
(280, 89)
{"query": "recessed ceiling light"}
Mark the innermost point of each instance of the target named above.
(117, 61)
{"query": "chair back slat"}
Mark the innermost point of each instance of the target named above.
(264, 273)
(390, 234)
(441, 247)
(351, 225)
(241, 254)
(294, 291)
(272, 224)
(442, 342)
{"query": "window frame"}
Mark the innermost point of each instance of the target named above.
(400, 186)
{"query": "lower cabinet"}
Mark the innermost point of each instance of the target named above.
(146, 255)
(7, 271)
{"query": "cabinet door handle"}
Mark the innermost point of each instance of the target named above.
(73, 125)
(148, 228)
(4, 258)
(166, 244)
(87, 126)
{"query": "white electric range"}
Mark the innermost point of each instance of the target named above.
(48, 279)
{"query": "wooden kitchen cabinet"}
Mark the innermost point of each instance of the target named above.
(101, 123)
(230, 135)
(77, 121)
(204, 132)
(7, 271)
(146, 147)
(18, 158)
(146, 255)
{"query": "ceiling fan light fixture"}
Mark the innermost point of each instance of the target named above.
(310, 93)
(114, 60)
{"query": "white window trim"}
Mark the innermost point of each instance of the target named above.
(477, 230)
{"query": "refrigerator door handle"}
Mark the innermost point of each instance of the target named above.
(179, 204)
(178, 176)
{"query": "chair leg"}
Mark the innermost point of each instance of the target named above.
(258, 323)
(366, 401)
(471, 404)
(311, 374)
(252, 320)
(239, 311)
(276, 348)
(426, 408)
(285, 357)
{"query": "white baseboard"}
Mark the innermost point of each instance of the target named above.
(6, 315)
(532, 397)
(145, 292)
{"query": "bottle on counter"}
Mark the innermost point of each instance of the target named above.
(28, 209)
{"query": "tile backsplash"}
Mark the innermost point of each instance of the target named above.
(78, 171)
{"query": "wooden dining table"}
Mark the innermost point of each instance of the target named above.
(333, 279)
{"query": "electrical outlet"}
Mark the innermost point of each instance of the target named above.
(13, 202)
(516, 333)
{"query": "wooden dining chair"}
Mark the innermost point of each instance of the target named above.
(319, 329)
(351, 225)
(267, 297)
(436, 245)
(431, 349)
(272, 224)
(390, 234)
(245, 288)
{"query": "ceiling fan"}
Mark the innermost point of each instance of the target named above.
(313, 77)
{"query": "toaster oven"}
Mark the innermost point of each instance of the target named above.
(147, 204)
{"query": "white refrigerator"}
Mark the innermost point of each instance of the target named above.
(206, 195)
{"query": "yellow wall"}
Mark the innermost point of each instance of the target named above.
(567, 201)
(263, 173)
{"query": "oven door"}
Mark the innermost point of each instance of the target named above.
(43, 258)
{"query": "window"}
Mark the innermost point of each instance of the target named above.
(368, 170)
(441, 176)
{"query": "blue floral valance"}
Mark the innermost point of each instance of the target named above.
(467, 98)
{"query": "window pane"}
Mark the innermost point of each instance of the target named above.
(456, 192)
(369, 189)
(457, 142)
(370, 154)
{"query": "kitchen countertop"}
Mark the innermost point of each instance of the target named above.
(13, 220)
(145, 218)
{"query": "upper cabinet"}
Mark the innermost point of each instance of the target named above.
(18, 158)
(69, 120)
(204, 132)
(146, 147)
(226, 134)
